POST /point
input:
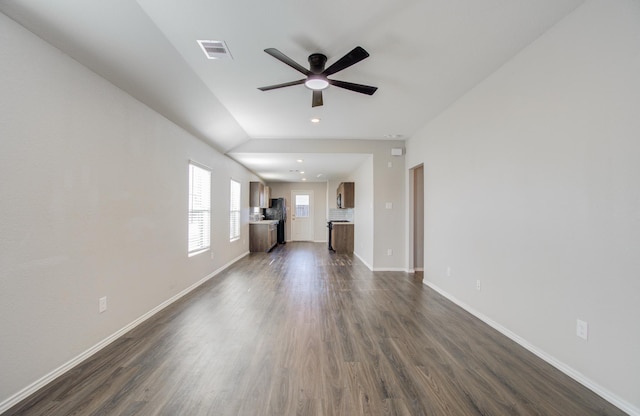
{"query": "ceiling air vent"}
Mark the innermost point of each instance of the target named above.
(215, 49)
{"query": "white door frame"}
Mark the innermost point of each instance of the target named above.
(416, 218)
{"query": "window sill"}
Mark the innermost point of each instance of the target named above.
(195, 253)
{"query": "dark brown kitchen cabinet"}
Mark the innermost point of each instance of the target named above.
(256, 190)
(342, 237)
(345, 195)
(266, 197)
(259, 195)
(263, 235)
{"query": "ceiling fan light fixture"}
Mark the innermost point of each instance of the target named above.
(316, 76)
(316, 83)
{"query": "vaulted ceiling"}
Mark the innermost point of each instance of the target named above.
(424, 55)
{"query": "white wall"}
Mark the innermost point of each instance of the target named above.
(532, 184)
(319, 190)
(389, 223)
(363, 213)
(93, 202)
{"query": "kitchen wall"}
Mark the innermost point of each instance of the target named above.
(93, 202)
(319, 189)
(388, 176)
(532, 187)
(325, 200)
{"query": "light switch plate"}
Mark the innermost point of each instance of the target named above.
(102, 304)
(582, 329)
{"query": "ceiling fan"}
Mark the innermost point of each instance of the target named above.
(316, 76)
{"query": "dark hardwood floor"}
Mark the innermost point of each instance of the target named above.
(301, 331)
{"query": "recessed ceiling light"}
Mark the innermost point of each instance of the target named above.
(302, 172)
(315, 120)
(300, 161)
(304, 179)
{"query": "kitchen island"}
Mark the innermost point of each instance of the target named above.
(342, 237)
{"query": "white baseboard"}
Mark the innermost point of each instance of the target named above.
(380, 269)
(363, 262)
(574, 374)
(38, 384)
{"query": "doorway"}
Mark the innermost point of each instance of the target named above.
(302, 216)
(416, 177)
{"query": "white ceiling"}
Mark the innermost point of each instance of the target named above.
(296, 167)
(425, 54)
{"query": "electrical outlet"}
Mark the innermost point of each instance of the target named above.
(102, 304)
(477, 284)
(389, 252)
(582, 329)
(389, 205)
(448, 271)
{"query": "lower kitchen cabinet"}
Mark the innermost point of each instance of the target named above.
(342, 237)
(263, 235)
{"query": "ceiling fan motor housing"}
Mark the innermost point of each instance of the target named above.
(316, 62)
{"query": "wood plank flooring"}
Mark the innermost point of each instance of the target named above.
(301, 331)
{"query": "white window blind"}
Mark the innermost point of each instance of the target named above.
(234, 210)
(199, 208)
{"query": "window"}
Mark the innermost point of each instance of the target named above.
(302, 205)
(234, 210)
(199, 209)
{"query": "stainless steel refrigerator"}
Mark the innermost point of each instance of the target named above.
(278, 211)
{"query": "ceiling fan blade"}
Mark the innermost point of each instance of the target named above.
(286, 84)
(317, 98)
(362, 89)
(285, 59)
(353, 57)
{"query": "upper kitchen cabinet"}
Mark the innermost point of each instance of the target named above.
(259, 195)
(256, 192)
(345, 195)
(266, 197)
